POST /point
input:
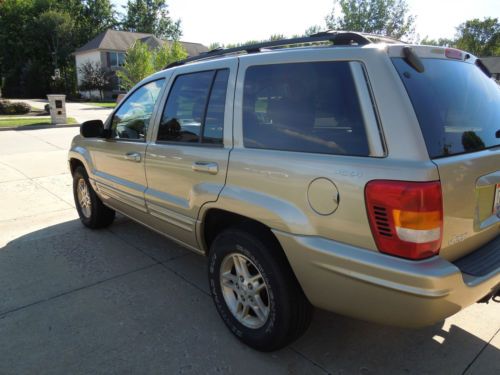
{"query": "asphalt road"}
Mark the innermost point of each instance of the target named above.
(126, 300)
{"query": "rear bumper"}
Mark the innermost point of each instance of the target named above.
(372, 286)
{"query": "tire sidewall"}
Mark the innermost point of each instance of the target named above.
(275, 327)
(80, 173)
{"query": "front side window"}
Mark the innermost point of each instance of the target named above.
(194, 112)
(131, 120)
(305, 107)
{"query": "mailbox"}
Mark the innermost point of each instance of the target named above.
(57, 105)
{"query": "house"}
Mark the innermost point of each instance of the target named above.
(493, 65)
(108, 49)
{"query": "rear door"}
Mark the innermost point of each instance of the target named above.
(186, 163)
(458, 108)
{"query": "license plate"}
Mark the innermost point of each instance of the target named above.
(496, 205)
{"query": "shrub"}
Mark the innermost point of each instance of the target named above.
(15, 108)
(3, 104)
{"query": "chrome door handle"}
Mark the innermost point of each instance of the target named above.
(205, 166)
(133, 156)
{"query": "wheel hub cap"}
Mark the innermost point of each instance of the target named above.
(244, 290)
(83, 195)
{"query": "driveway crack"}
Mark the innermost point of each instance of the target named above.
(314, 363)
(480, 352)
(3, 314)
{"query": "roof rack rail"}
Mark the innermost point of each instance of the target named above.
(373, 38)
(344, 38)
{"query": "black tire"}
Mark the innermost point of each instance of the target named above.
(290, 312)
(99, 216)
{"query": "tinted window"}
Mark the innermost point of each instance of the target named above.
(308, 107)
(457, 105)
(214, 122)
(189, 115)
(131, 120)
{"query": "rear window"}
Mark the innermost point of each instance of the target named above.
(457, 105)
(304, 107)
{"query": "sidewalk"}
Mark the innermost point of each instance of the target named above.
(80, 111)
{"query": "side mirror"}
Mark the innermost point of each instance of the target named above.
(92, 129)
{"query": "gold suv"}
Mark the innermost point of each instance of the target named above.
(347, 171)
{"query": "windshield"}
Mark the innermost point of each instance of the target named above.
(457, 105)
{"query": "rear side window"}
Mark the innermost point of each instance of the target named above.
(457, 105)
(305, 107)
(195, 107)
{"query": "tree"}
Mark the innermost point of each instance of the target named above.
(168, 54)
(97, 16)
(385, 17)
(138, 65)
(94, 77)
(55, 29)
(48, 31)
(443, 42)
(482, 38)
(151, 16)
(141, 61)
(215, 45)
(313, 30)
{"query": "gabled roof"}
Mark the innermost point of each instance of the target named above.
(116, 40)
(492, 63)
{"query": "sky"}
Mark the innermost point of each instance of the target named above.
(233, 21)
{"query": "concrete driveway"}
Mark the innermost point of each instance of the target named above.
(126, 300)
(80, 111)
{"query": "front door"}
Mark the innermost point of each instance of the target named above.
(119, 160)
(186, 163)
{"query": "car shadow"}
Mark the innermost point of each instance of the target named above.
(70, 263)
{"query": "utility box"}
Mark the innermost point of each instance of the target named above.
(57, 105)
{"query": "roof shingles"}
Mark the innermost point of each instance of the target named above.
(115, 40)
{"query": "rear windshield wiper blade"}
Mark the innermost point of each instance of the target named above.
(483, 67)
(413, 60)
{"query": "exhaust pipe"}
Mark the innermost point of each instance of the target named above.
(494, 296)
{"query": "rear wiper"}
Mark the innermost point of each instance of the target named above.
(413, 60)
(483, 67)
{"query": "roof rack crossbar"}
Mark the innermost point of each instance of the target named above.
(335, 37)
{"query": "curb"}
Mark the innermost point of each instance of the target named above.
(38, 127)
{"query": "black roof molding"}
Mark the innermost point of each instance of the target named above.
(342, 38)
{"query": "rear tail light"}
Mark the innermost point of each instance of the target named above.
(406, 218)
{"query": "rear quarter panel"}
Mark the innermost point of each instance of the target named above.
(271, 186)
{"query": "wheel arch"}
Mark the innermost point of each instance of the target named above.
(216, 220)
(79, 156)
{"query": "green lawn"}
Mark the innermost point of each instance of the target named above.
(17, 121)
(103, 104)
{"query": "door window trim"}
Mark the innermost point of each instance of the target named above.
(200, 143)
(109, 121)
(365, 97)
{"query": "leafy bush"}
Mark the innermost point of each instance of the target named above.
(15, 108)
(3, 104)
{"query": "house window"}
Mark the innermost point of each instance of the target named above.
(116, 59)
(118, 86)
